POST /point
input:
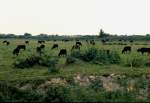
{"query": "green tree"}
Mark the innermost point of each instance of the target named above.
(102, 34)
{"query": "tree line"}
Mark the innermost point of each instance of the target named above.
(102, 35)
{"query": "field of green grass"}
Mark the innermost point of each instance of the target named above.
(113, 77)
(9, 72)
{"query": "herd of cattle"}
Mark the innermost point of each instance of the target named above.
(77, 46)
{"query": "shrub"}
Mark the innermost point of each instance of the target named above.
(56, 94)
(147, 62)
(107, 58)
(114, 58)
(120, 96)
(76, 54)
(9, 93)
(48, 61)
(96, 84)
(52, 65)
(134, 61)
(27, 62)
(98, 56)
(70, 60)
(89, 54)
(33, 60)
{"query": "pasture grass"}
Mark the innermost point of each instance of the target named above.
(9, 72)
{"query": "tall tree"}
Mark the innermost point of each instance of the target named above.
(102, 34)
(27, 35)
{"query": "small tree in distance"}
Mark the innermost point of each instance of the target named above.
(102, 34)
(27, 35)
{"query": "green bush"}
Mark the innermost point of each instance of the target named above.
(103, 57)
(70, 94)
(9, 93)
(134, 61)
(27, 62)
(97, 85)
(52, 65)
(89, 54)
(119, 96)
(76, 54)
(147, 62)
(56, 94)
(33, 60)
(70, 60)
(98, 56)
(38, 60)
(67, 93)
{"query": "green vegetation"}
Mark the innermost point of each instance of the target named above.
(91, 60)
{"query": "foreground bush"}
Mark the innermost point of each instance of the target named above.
(27, 62)
(67, 93)
(9, 93)
(33, 60)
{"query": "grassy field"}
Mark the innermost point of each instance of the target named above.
(127, 80)
(9, 72)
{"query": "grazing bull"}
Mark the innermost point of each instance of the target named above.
(16, 51)
(77, 39)
(41, 41)
(54, 46)
(42, 46)
(21, 47)
(7, 43)
(107, 51)
(87, 41)
(27, 42)
(131, 41)
(66, 40)
(18, 48)
(103, 41)
(120, 40)
(126, 49)
(143, 50)
(78, 43)
(54, 40)
(62, 52)
(40, 49)
(75, 47)
(92, 42)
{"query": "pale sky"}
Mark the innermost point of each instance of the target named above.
(73, 17)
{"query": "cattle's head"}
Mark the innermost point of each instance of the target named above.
(138, 50)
